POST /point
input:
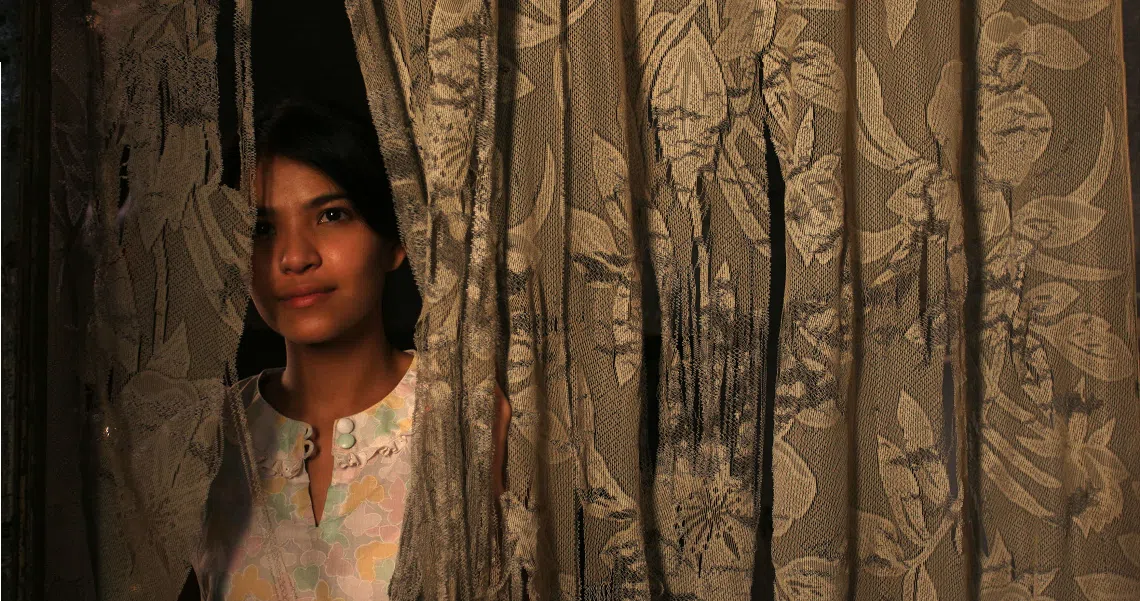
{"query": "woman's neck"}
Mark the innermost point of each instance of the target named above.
(324, 382)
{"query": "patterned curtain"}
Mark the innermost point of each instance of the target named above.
(584, 188)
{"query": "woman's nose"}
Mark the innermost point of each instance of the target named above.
(297, 254)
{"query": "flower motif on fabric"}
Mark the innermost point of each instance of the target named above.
(249, 584)
(813, 206)
(713, 517)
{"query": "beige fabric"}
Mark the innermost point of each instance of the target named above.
(572, 176)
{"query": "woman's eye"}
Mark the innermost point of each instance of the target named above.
(334, 214)
(262, 229)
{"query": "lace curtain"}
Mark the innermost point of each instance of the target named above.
(954, 410)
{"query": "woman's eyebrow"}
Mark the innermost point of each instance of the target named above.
(314, 203)
(325, 199)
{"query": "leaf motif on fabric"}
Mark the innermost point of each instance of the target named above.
(1002, 53)
(746, 212)
(899, 15)
(999, 581)
(922, 452)
(994, 215)
(529, 227)
(1060, 268)
(554, 436)
(453, 47)
(821, 416)
(817, 321)
(997, 566)
(618, 216)
(1053, 47)
(688, 103)
(172, 356)
(1073, 10)
(1054, 222)
(520, 527)
(789, 31)
(876, 245)
(903, 494)
(624, 556)
(521, 358)
(181, 167)
(594, 251)
(442, 281)
(878, 141)
(1088, 343)
(749, 28)
(514, 84)
(778, 94)
(221, 284)
(603, 496)
(817, 77)
(880, 549)
(723, 295)
(1011, 455)
(793, 487)
(814, 209)
(556, 439)
(810, 578)
(1087, 191)
(1049, 299)
(1000, 477)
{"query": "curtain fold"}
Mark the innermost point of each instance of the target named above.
(583, 185)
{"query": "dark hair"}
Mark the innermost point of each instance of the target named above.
(343, 147)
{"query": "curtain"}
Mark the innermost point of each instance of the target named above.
(944, 292)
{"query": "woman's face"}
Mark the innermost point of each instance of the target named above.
(318, 268)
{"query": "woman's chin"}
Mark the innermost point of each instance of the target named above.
(312, 332)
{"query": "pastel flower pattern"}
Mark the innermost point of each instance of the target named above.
(351, 554)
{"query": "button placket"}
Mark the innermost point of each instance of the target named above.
(344, 427)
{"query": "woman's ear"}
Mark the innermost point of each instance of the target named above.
(396, 255)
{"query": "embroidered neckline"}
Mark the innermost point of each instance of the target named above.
(282, 444)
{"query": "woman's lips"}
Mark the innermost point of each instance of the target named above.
(308, 299)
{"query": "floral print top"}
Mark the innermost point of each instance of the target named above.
(351, 554)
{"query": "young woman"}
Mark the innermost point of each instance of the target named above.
(331, 429)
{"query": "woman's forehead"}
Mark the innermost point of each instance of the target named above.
(284, 184)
